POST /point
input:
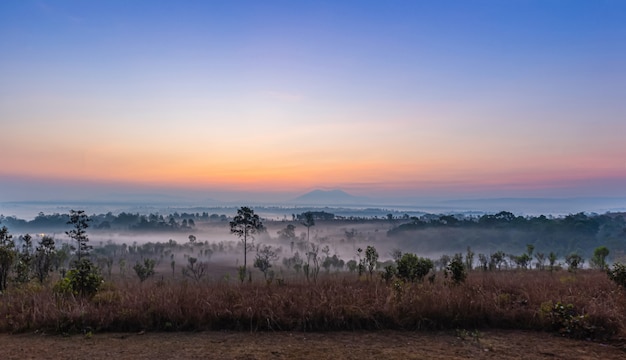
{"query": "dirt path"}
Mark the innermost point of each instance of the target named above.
(335, 345)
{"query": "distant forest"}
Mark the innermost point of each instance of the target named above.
(430, 233)
(121, 222)
(136, 222)
(576, 233)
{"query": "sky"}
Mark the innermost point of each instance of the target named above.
(271, 99)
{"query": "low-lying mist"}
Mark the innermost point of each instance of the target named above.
(342, 240)
(174, 240)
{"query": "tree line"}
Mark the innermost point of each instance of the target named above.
(123, 221)
(581, 233)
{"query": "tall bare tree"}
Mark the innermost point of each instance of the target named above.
(308, 220)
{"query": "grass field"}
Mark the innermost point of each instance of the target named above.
(585, 304)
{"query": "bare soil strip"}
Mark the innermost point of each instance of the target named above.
(494, 344)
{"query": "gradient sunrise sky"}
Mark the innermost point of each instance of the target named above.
(379, 98)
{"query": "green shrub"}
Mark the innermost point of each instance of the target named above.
(574, 262)
(389, 273)
(371, 259)
(83, 279)
(456, 270)
(412, 268)
(566, 320)
(598, 260)
(145, 270)
(618, 274)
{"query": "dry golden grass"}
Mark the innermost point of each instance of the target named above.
(498, 300)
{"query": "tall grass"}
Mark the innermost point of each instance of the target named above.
(507, 299)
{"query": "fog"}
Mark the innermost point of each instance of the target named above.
(281, 208)
(174, 239)
(334, 236)
(223, 251)
(214, 245)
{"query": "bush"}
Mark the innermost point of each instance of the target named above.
(83, 279)
(598, 260)
(568, 322)
(389, 273)
(412, 268)
(456, 270)
(145, 270)
(618, 274)
(574, 261)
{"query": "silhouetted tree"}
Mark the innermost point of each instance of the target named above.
(574, 261)
(265, 256)
(7, 256)
(245, 224)
(371, 259)
(80, 221)
(552, 257)
(144, 270)
(541, 260)
(194, 269)
(44, 258)
(598, 260)
(24, 259)
(308, 220)
(84, 277)
(288, 233)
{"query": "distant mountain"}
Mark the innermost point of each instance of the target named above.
(329, 197)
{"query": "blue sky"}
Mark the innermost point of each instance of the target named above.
(379, 98)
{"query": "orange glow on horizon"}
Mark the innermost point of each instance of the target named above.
(380, 176)
(385, 163)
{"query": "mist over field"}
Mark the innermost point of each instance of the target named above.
(147, 259)
(165, 232)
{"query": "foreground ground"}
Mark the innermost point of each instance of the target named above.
(284, 345)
